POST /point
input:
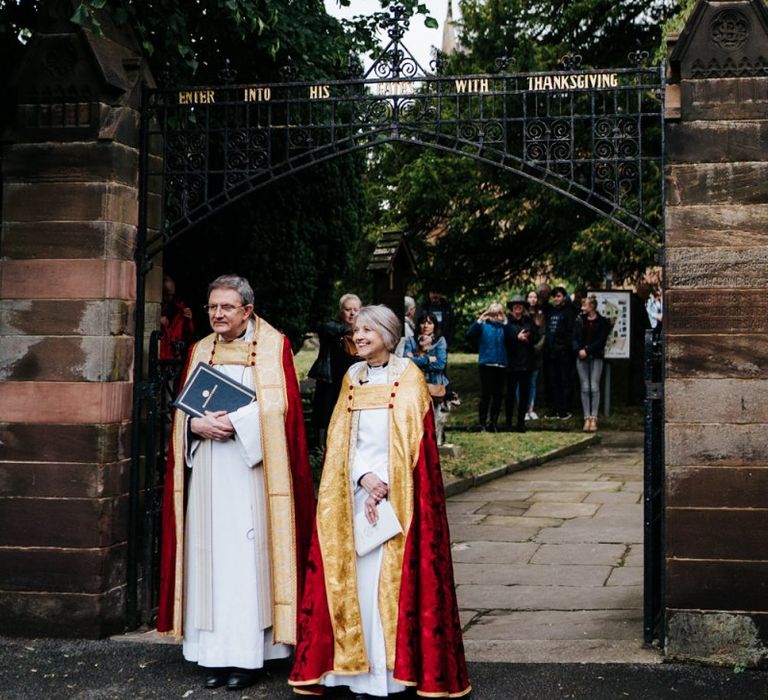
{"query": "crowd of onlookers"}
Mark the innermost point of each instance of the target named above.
(546, 334)
(543, 342)
(543, 333)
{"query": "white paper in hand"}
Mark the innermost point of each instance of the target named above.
(368, 536)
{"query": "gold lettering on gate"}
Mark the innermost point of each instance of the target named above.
(257, 94)
(573, 81)
(403, 87)
(197, 97)
(319, 92)
(466, 85)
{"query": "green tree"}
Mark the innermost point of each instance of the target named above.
(295, 241)
(479, 228)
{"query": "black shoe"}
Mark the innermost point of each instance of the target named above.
(216, 677)
(241, 678)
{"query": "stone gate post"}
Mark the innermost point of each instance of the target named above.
(67, 296)
(716, 324)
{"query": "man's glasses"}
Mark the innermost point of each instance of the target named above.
(225, 308)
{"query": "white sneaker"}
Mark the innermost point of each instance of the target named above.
(527, 416)
(533, 415)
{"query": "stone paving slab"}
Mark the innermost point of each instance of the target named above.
(492, 533)
(558, 624)
(557, 496)
(620, 471)
(635, 556)
(614, 497)
(628, 512)
(533, 484)
(583, 651)
(455, 507)
(531, 574)
(466, 519)
(484, 494)
(561, 510)
(493, 552)
(504, 508)
(549, 597)
(626, 576)
(565, 471)
(520, 521)
(592, 531)
(580, 554)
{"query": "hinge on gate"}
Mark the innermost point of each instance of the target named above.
(654, 391)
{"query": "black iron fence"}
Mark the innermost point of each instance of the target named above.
(653, 516)
(157, 393)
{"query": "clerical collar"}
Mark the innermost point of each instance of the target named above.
(382, 366)
(220, 339)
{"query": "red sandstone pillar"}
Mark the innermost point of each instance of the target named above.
(67, 296)
(716, 327)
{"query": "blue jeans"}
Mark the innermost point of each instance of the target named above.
(590, 371)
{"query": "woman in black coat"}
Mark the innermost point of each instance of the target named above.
(520, 336)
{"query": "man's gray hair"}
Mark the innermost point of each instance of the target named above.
(236, 283)
(384, 320)
(348, 297)
(408, 304)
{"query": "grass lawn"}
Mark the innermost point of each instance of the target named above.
(303, 360)
(484, 451)
(481, 452)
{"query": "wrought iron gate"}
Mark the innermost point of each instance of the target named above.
(653, 489)
(594, 136)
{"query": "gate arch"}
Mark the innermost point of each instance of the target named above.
(594, 136)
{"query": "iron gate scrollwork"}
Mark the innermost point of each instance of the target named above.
(595, 136)
(592, 135)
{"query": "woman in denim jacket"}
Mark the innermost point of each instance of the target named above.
(428, 350)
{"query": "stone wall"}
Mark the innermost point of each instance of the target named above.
(67, 296)
(716, 325)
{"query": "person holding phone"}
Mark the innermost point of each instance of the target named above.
(521, 336)
(487, 332)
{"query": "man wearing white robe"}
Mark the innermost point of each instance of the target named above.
(227, 571)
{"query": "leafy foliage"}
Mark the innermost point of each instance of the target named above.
(477, 228)
(295, 241)
(473, 227)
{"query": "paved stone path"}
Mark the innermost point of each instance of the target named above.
(549, 560)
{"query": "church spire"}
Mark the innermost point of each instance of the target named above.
(450, 42)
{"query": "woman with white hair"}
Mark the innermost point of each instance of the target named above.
(381, 620)
(336, 354)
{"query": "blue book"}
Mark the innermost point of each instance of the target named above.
(208, 389)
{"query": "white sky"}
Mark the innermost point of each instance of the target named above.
(419, 39)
